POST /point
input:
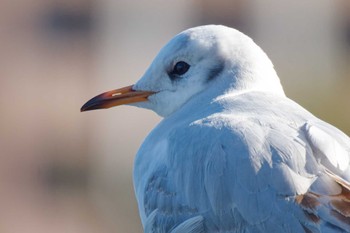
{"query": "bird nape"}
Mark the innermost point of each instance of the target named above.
(233, 153)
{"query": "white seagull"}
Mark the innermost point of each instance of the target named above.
(233, 153)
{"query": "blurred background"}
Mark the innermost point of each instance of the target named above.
(66, 171)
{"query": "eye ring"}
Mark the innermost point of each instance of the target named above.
(180, 68)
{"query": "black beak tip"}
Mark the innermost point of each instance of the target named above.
(90, 105)
(84, 108)
(88, 108)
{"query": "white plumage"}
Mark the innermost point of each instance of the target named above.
(233, 153)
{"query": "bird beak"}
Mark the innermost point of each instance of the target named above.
(124, 95)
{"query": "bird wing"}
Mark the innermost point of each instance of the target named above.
(330, 146)
(327, 201)
(243, 173)
(250, 173)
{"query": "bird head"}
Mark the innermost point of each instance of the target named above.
(216, 59)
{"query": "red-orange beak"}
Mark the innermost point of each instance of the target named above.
(124, 95)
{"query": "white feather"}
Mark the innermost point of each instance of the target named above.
(233, 153)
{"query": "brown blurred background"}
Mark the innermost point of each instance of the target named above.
(66, 171)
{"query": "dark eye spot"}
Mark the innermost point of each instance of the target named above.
(215, 70)
(179, 69)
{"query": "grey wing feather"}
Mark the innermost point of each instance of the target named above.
(192, 225)
(150, 222)
(240, 175)
(330, 146)
(328, 198)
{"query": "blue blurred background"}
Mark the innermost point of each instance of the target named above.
(66, 171)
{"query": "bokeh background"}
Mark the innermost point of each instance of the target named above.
(66, 171)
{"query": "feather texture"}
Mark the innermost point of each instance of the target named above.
(252, 174)
(233, 153)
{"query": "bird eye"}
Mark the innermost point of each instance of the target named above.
(180, 68)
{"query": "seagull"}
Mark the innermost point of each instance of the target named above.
(232, 154)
